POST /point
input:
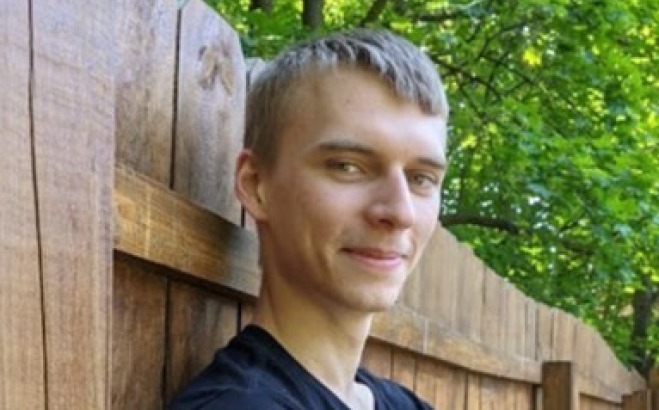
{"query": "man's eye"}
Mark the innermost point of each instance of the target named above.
(344, 167)
(423, 181)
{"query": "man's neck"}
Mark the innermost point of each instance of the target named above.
(326, 342)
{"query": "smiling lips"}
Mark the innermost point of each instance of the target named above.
(377, 258)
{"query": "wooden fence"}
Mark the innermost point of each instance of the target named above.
(126, 261)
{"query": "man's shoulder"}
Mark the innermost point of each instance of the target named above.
(245, 374)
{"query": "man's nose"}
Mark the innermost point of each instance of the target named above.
(392, 203)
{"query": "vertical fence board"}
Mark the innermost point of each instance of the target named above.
(422, 290)
(403, 368)
(21, 335)
(199, 324)
(425, 380)
(493, 393)
(514, 320)
(210, 113)
(473, 392)
(377, 357)
(470, 290)
(73, 109)
(146, 39)
(138, 335)
(445, 281)
(531, 326)
(545, 332)
(493, 331)
(451, 386)
(563, 337)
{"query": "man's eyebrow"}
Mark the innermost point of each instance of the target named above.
(344, 145)
(356, 147)
(439, 163)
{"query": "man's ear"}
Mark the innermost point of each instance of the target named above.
(249, 185)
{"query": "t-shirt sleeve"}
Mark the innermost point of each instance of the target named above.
(236, 399)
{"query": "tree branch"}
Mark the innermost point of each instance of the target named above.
(373, 13)
(478, 220)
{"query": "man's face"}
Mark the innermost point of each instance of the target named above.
(354, 195)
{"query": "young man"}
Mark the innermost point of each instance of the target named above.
(342, 170)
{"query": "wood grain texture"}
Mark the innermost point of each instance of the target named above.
(22, 384)
(450, 387)
(563, 337)
(211, 110)
(138, 334)
(146, 42)
(559, 386)
(425, 380)
(470, 291)
(445, 249)
(448, 345)
(200, 323)
(155, 224)
(493, 394)
(73, 129)
(639, 400)
(473, 396)
(403, 367)
(545, 332)
(377, 357)
(494, 312)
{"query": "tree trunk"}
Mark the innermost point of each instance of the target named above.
(374, 12)
(312, 14)
(643, 301)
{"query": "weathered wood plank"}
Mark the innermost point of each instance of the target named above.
(563, 337)
(425, 380)
(377, 358)
(494, 312)
(559, 386)
(401, 327)
(493, 393)
(451, 387)
(155, 224)
(473, 396)
(211, 110)
(444, 279)
(403, 367)
(146, 39)
(200, 323)
(73, 129)
(545, 332)
(22, 383)
(138, 334)
(449, 346)
(470, 297)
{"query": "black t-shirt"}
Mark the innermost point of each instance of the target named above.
(254, 372)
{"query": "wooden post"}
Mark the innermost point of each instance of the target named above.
(559, 386)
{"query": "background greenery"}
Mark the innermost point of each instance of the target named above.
(554, 175)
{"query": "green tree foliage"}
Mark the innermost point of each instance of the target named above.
(554, 175)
